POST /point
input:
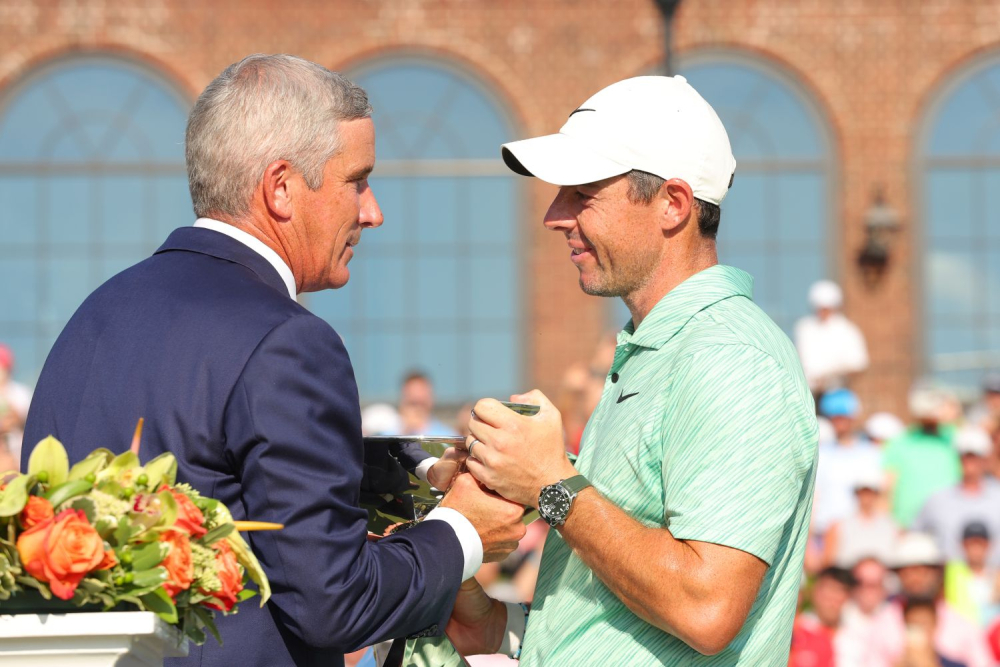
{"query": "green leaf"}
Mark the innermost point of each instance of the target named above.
(121, 463)
(104, 527)
(88, 507)
(123, 531)
(49, 455)
(160, 603)
(93, 464)
(246, 558)
(245, 594)
(157, 575)
(195, 634)
(162, 469)
(149, 555)
(15, 496)
(207, 619)
(217, 533)
(37, 585)
(168, 509)
(57, 495)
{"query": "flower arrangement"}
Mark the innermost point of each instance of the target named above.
(109, 533)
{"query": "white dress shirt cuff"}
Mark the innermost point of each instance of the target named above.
(472, 546)
(421, 470)
(513, 634)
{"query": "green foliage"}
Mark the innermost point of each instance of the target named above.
(149, 555)
(160, 603)
(91, 465)
(49, 456)
(15, 496)
(57, 495)
(124, 503)
(217, 533)
(161, 470)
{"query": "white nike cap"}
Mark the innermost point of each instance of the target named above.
(656, 124)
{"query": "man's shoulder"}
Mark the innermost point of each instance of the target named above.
(737, 329)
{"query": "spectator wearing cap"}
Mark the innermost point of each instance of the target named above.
(919, 565)
(842, 462)
(972, 585)
(869, 531)
(14, 401)
(976, 498)
(832, 348)
(882, 427)
(922, 460)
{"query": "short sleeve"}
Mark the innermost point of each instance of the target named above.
(739, 450)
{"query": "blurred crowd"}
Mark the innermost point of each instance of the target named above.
(14, 401)
(903, 563)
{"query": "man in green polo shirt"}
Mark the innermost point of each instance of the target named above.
(679, 533)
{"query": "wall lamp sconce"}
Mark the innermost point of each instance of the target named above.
(881, 223)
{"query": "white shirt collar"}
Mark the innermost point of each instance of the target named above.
(254, 244)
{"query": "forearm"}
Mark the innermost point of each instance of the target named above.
(662, 580)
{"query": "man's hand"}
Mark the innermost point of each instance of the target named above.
(497, 521)
(441, 474)
(516, 455)
(477, 621)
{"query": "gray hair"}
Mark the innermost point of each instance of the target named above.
(643, 188)
(262, 109)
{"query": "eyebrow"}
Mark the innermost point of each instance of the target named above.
(363, 172)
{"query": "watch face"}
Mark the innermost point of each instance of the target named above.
(553, 504)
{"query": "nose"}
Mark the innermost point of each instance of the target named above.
(561, 215)
(371, 213)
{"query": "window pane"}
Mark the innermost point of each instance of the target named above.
(775, 218)
(962, 216)
(87, 139)
(446, 239)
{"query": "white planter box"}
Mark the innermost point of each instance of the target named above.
(88, 639)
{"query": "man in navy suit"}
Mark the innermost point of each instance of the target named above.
(255, 395)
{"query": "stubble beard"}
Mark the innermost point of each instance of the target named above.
(627, 279)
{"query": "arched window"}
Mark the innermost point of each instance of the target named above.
(91, 178)
(959, 198)
(776, 218)
(437, 286)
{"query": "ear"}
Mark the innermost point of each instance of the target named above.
(277, 189)
(676, 201)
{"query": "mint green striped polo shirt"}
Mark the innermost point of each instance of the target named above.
(706, 427)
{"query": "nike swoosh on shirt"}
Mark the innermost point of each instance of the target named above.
(626, 396)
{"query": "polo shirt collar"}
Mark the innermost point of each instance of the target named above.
(683, 302)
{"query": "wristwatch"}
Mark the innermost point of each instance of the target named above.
(555, 500)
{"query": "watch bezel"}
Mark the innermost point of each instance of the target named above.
(556, 519)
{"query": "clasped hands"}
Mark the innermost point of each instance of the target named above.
(513, 456)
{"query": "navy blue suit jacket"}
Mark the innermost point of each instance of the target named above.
(257, 399)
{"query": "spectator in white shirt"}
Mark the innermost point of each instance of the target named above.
(831, 347)
(843, 463)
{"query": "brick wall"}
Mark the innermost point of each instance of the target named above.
(873, 66)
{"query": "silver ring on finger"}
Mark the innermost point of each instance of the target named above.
(474, 442)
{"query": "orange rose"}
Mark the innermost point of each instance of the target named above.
(230, 576)
(189, 517)
(109, 560)
(180, 568)
(61, 550)
(36, 511)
